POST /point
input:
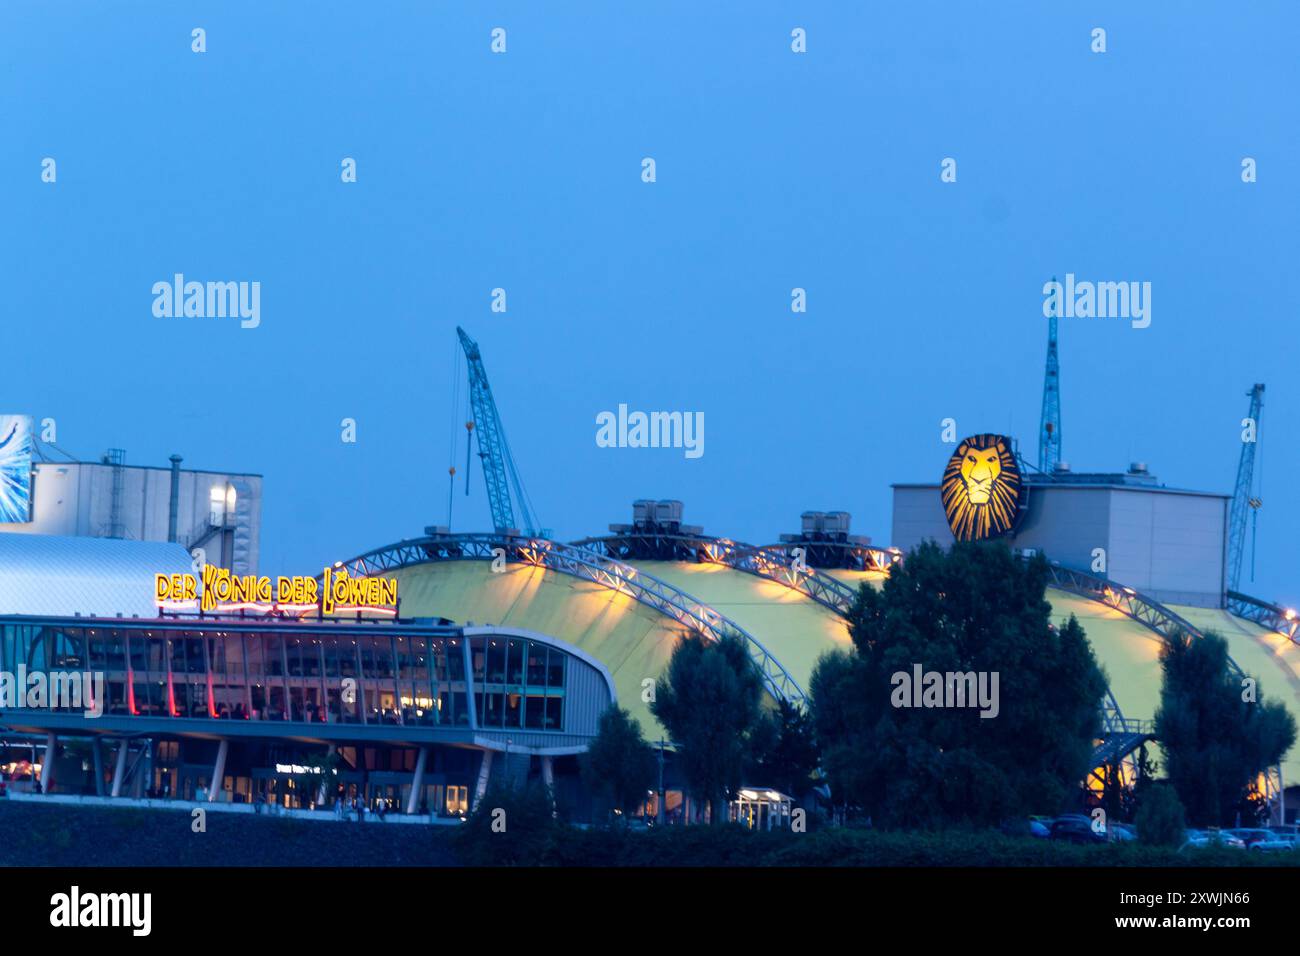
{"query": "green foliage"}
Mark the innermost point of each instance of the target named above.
(733, 845)
(975, 608)
(619, 763)
(708, 700)
(1216, 743)
(509, 827)
(783, 751)
(1160, 820)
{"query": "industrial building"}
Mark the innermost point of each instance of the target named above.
(219, 512)
(1169, 543)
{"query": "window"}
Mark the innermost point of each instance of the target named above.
(515, 661)
(271, 659)
(535, 712)
(221, 501)
(457, 801)
(496, 661)
(536, 664)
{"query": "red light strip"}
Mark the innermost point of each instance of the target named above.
(269, 608)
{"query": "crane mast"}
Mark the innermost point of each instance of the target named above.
(499, 471)
(1049, 426)
(1242, 502)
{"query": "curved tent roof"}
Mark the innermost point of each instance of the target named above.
(106, 577)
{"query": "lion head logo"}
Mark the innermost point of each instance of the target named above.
(981, 488)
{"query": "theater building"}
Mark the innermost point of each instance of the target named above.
(412, 715)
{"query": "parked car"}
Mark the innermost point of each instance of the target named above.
(1121, 833)
(1275, 843)
(1075, 828)
(1203, 838)
(1028, 827)
(1250, 835)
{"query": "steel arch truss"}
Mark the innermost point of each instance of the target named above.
(587, 565)
(1280, 619)
(1140, 608)
(773, 562)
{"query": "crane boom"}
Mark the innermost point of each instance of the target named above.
(1241, 497)
(499, 471)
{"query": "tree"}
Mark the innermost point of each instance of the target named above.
(708, 700)
(619, 762)
(1160, 820)
(316, 777)
(783, 752)
(978, 612)
(1217, 732)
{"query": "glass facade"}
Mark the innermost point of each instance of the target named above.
(376, 777)
(518, 683)
(301, 673)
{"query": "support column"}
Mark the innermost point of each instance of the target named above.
(484, 772)
(97, 753)
(143, 770)
(417, 785)
(1281, 796)
(47, 766)
(119, 771)
(661, 796)
(218, 770)
(548, 779)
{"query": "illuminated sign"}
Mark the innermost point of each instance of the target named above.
(297, 769)
(982, 491)
(336, 593)
(15, 468)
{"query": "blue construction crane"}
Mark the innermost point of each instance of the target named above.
(498, 466)
(1049, 426)
(1243, 502)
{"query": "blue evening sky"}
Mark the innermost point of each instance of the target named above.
(775, 170)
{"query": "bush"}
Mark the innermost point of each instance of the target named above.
(1160, 819)
(733, 845)
(509, 827)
